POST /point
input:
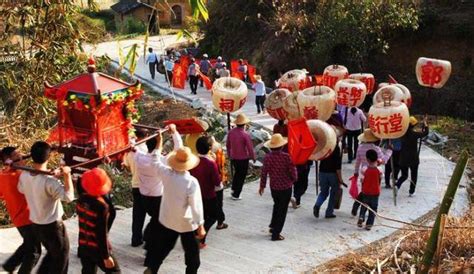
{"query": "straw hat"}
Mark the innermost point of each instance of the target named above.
(241, 119)
(276, 141)
(203, 124)
(413, 121)
(367, 136)
(182, 159)
(257, 77)
(96, 182)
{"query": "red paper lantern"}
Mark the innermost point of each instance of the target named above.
(333, 73)
(274, 104)
(293, 80)
(229, 94)
(301, 143)
(406, 94)
(433, 73)
(389, 120)
(367, 78)
(325, 137)
(317, 102)
(350, 92)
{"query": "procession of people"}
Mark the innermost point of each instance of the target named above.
(182, 192)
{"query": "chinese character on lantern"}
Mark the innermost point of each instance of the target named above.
(242, 102)
(343, 96)
(432, 72)
(356, 95)
(389, 120)
(378, 124)
(226, 105)
(310, 112)
(279, 113)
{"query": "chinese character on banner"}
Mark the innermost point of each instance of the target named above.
(343, 96)
(356, 95)
(329, 81)
(431, 74)
(379, 124)
(226, 105)
(310, 112)
(395, 121)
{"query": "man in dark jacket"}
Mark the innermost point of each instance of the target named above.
(409, 155)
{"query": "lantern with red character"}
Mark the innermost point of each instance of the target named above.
(333, 73)
(229, 94)
(389, 119)
(95, 114)
(367, 78)
(317, 102)
(350, 92)
(405, 97)
(274, 103)
(293, 80)
(433, 73)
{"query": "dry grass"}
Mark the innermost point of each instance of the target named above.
(457, 254)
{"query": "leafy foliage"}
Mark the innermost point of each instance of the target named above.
(285, 34)
(46, 43)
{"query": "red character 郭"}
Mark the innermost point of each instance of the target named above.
(226, 105)
(431, 74)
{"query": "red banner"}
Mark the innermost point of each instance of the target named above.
(234, 69)
(179, 76)
(207, 82)
(252, 70)
(186, 126)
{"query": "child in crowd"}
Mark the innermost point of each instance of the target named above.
(94, 247)
(277, 164)
(44, 194)
(371, 176)
(207, 174)
(27, 254)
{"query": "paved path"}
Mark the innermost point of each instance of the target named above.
(246, 246)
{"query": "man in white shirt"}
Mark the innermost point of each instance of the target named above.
(138, 213)
(181, 213)
(44, 194)
(152, 61)
(150, 182)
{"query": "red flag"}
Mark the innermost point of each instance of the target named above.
(179, 76)
(234, 69)
(252, 71)
(207, 82)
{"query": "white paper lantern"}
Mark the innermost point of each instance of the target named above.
(274, 103)
(334, 73)
(389, 120)
(350, 92)
(406, 92)
(325, 137)
(433, 73)
(317, 102)
(367, 78)
(229, 94)
(293, 80)
(290, 105)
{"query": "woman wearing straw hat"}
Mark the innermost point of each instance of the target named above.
(277, 164)
(368, 141)
(260, 92)
(181, 213)
(240, 150)
(92, 210)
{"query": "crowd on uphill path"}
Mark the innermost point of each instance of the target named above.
(182, 193)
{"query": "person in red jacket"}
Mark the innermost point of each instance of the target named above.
(28, 253)
(371, 176)
(93, 212)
